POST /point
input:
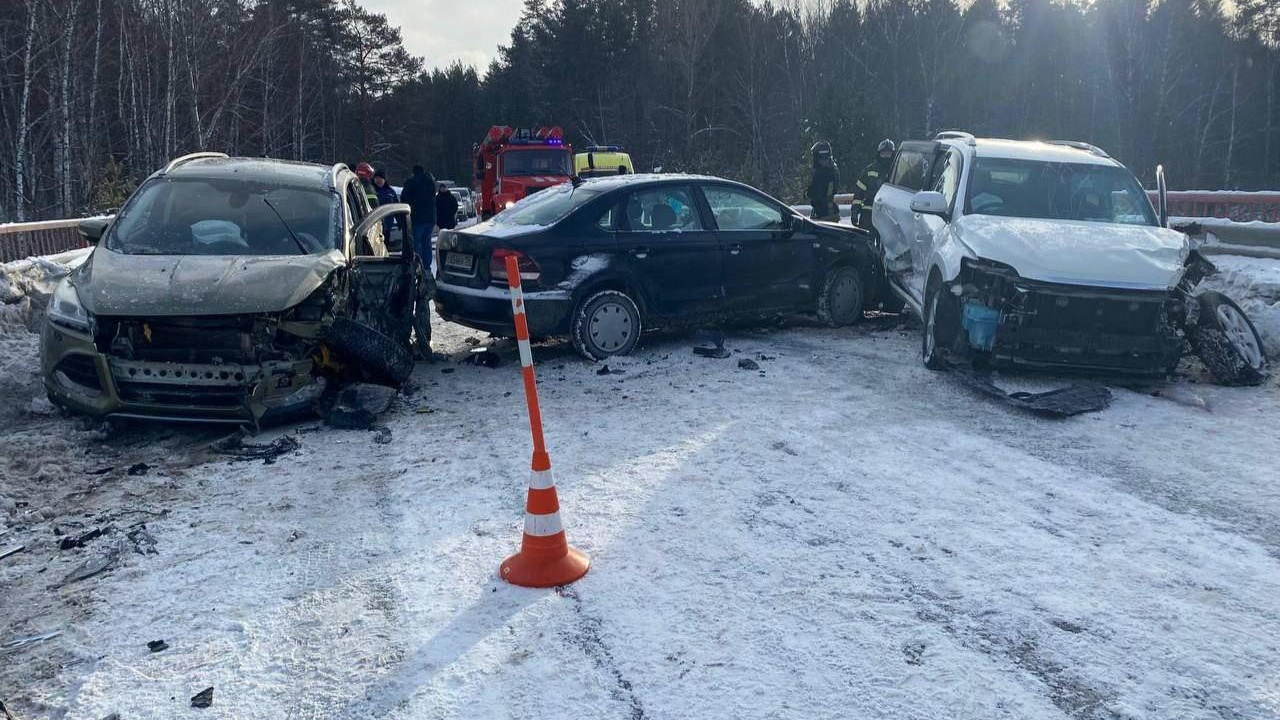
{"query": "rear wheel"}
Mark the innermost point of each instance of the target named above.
(941, 323)
(606, 324)
(840, 300)
(1226, 341)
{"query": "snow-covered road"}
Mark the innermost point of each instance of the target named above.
(842, 534)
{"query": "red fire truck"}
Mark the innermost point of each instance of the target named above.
(510, 164)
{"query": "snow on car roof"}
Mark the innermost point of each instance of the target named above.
(1038, 150)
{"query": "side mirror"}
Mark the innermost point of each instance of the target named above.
(380, 213)
(929, 202)
(1162, 197)
(93, 229)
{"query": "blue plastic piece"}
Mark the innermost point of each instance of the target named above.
(980, 323)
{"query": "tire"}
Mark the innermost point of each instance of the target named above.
(1227, 342)
(606, 324)
(841, 297)
(941, 323)
(377, 356)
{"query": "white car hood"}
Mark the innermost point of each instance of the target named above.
(1078, 253)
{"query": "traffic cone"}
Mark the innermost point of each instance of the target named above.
(545, 559)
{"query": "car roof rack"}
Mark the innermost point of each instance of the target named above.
(956, 135)
(1080, 146)
(180, 161)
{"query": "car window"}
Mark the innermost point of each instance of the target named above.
(606, 220)
(661, 209)
(948, 176)
(1057, 191)
(735, 209)
(201, 216)
(355, 203)
(910, 169)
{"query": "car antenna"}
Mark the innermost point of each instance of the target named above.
(301, 247)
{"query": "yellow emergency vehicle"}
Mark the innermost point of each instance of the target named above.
(602, 160)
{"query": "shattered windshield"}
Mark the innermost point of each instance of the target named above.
(547, 206)
(535, 162)
(1057, 191)
(202, 216)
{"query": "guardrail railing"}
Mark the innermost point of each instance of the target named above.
(49, 237)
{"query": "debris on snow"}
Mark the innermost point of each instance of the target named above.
(748, 364)
(606, 370)
(92, 566)
(382, 435)
(359, 405)
(202, 699)
(236, 448)
(137, 469)
(143, 541)
(1071, 400)
(70, 542)
(483, 357)
(12, 551)
(32, 640)
(156, 646)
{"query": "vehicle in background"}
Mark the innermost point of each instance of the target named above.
(466, 204)
(601, 161)
(242, 290)
(513, 164)
(602, 259)
(1049, 254)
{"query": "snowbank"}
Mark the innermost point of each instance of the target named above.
(1254, 283)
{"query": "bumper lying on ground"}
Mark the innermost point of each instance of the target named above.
(489, 309)
(81, 379)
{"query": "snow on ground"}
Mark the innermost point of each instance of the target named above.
(841, 533)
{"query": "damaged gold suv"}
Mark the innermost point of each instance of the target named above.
(242, 290)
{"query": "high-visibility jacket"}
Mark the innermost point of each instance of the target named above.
(868, 184)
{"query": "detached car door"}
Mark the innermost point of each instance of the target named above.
(768, 259)
(663, 238)
(891, 212)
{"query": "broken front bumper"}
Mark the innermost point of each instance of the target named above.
(80, 378)
(1041, 324)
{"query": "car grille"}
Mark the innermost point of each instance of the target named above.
(189, 340)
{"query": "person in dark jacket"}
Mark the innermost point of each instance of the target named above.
(446, 208)
(868, 184)
(419, 192)
(386, 196)
(822, 188)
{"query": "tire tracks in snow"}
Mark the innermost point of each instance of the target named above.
(587, 637)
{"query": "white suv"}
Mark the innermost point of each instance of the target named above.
(1048, 254)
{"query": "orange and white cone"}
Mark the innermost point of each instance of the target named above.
(545, 558)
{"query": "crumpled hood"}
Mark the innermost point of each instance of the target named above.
(112, 283)
(1078, 253)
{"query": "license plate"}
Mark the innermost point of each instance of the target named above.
(458, 261)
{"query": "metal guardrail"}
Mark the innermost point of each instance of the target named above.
(21, 240)
(1229, 205)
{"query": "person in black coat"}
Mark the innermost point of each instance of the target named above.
(386, 196)
(419, 192)
(822, 188)
(446, 208)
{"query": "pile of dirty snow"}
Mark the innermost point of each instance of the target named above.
(1254, 283)
(25, 288)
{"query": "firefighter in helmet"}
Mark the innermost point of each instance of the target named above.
(364, 171)
(822, 188)
(868, 184)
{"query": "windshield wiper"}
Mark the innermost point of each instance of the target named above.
(301, 247)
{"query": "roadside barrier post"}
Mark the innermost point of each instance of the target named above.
(545, 558)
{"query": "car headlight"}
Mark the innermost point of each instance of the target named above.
(510, 203)
(65, 308)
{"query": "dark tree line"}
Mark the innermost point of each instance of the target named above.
(95, 94)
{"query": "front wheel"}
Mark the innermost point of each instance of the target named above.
(1226, 341)
(841, 297)
(940, 327)
(606, 324)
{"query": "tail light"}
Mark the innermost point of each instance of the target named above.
(529, 269)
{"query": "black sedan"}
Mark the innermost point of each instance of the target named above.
(601, 259)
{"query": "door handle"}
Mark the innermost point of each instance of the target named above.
(640, 253)
(735, 249)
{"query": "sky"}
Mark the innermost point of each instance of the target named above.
(441, 31)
